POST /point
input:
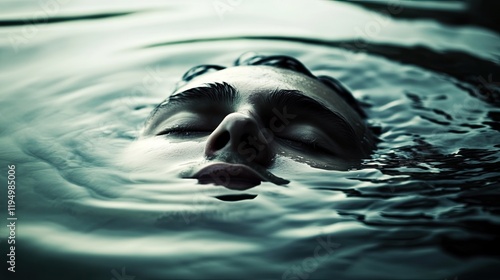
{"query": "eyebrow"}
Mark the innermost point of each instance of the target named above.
(224, 93)
(215, 93)
(212, 92)
(296, 100)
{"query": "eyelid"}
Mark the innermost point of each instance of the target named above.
(182, 129)
(309, 146)
(303, 133)
(179, 121)
(299, 139)
(309, 141)
(310, 136)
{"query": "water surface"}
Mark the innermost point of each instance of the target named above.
(76, 89)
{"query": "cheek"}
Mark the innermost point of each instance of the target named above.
(285, 165)
(295, 156)
(159, 153)
(293, 170)
(296, 161)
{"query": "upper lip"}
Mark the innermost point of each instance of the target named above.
(232, 176)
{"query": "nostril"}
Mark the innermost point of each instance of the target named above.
(221, 141)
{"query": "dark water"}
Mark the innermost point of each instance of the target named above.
(76, 88)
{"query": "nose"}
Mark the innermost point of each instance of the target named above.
(239, 137)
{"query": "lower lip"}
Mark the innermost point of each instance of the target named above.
(231, 176)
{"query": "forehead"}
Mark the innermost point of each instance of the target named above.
(245, 76)
(249, 80)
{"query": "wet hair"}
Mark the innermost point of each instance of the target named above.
(284, 62)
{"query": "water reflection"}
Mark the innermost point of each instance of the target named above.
(77, 93)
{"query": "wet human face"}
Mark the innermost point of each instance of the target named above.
(230, 126)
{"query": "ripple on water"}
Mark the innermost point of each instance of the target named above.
(424, 205)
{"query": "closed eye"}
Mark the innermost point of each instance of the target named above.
(312, 145)
(184, 132)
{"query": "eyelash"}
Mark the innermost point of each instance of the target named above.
(183, 132)
(310, 145)
(313, 145)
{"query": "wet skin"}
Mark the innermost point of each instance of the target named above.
(229, 127)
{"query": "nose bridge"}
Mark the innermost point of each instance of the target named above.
(237, 135)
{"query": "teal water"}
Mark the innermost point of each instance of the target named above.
(76, 89)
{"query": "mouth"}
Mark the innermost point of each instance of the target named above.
(231, 176)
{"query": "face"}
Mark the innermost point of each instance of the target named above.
(235, 126)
